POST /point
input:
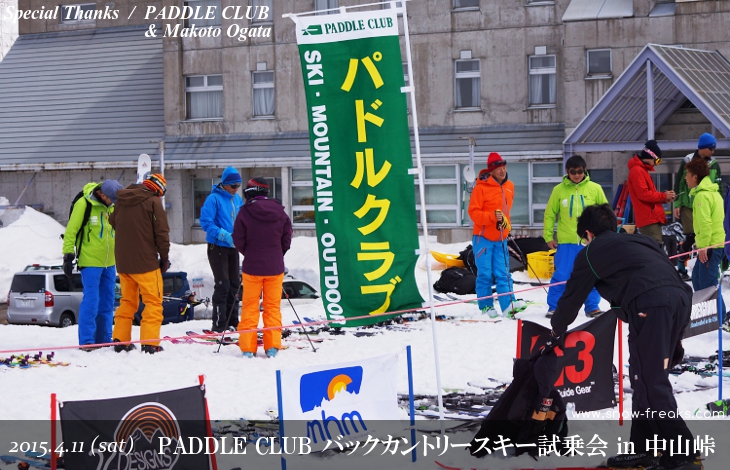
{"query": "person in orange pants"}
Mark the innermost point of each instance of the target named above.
(149, 286)
(253, 286)
(262, 233)
(142, 233)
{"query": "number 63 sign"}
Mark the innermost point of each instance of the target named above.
(585, 360)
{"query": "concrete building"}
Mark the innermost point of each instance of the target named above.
(516, 76)
(8, 26)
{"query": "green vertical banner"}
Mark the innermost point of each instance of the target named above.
(364, 198)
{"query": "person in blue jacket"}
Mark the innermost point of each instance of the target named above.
(217, 215)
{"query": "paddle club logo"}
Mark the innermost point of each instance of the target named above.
(136, 435)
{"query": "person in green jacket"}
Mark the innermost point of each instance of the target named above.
(92, 243)
(567, 202)
(708, 215)
(683, 205)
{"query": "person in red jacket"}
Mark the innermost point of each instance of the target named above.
(645, 199)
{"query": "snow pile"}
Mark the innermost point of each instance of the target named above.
(33, 238)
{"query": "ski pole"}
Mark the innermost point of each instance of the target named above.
(228, 318)
(300, 320)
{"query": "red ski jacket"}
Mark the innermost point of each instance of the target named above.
(645, 199)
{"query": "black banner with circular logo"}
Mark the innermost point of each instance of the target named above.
(159, 431)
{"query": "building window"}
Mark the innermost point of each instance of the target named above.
(604, 178)
(386, 6)
(466, 4)
(302, 196)
(264, 5)
(204, 5)
(467, 83)
(78, 13)
(263, 93)
(542, 80)
(441, 188)
(599, 62)
(326, 5)
(201, 190)
(543, 178)
(204, 97)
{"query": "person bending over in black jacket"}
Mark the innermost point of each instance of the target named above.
(646, 292)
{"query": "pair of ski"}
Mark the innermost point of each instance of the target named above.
(459, 404)
(26, 361)
(452, 298)
(23, 463)
(193, 337)
(706, 370)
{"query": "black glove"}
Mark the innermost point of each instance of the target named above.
(547, 342)
(68, 263)
(164, 265)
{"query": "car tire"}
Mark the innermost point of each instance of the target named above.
(66, 320)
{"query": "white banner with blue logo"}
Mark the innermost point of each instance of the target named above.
(346, 401)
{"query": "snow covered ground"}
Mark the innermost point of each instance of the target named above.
(244, 388)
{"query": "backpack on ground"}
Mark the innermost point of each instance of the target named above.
(467, 256)
(457, 280)
(84, 221)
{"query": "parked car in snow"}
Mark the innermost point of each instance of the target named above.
(174, 309)
(299, 292)
(44, 297)
(41, 295)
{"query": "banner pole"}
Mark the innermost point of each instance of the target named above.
(208, 429)
(53, 431)
(281, 417)
(411, 405)
(424, 223)
(620, 373)
(720, 303)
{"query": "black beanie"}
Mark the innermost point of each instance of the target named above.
(256, 187)
(652, 146)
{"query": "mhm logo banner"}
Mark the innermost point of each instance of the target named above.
(347, 401)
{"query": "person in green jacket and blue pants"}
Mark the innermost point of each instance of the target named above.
(567, 202)
(708, 215)
(93, 244)
(683, 205)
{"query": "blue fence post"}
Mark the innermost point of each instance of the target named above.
(281, 418)
(411, 405)
(719, 339)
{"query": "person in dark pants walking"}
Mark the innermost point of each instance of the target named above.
(217, 215)
(646, 292)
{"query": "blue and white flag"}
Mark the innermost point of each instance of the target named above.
(340, 402)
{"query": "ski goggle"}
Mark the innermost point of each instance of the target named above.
(657, 160)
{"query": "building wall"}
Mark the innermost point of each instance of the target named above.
(501, 34)
(8, 28)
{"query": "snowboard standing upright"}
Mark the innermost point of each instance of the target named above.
(144, 167)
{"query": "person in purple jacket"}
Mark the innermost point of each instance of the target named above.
(262, 233)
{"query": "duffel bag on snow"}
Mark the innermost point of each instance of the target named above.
(457, 280)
